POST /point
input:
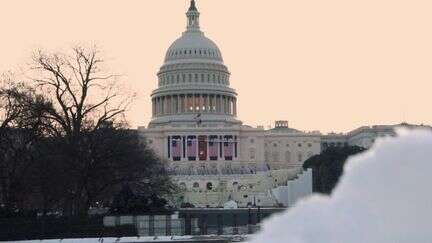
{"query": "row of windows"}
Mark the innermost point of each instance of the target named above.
(188, 52)
(194, 103)
(190, 66)
(275, 156)
(210, 186)
(183, 78)
(333, 144)
(287, 145)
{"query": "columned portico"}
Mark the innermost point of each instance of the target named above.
(202, 147)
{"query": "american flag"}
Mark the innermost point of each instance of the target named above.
(228, 147)
(213, 147)
(176, 147)
(191, 147)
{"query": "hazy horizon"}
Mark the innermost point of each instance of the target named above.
(328, 66)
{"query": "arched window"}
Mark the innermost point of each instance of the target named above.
(209, 186)
(196, 185)
(300, 157)
(182, 186)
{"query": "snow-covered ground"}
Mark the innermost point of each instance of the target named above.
(384, 196)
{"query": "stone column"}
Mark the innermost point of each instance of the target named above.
(184, 98)
(173, 105)
(230, 105)
(223, 104)
(153, 110)
(227, 109)
(217, 98)
(212, 103)
(209, 109)
(158, 106)
(199, 103)
(163, 105)
(204, 103)
(235, 106)
(193, 103)
(178, 104)
(220, 148)
(155, 106)
(227, 105)
(168, 104)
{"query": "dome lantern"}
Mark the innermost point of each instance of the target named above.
(193, 17)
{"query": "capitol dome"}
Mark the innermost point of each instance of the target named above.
(193, 45)
(194, 83)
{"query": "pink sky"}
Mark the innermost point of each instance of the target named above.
(328, 65)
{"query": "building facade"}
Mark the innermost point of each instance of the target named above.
(209, 152)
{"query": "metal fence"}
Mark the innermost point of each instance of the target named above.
(60, 228)
(178, 227)
(183, 222)
(196, 222)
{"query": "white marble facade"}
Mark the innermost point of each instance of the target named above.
(211, 154)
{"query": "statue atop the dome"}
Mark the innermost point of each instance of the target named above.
(193, 18)
(192, 6)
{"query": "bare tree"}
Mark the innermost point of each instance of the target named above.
(84, 98)
(68, 143)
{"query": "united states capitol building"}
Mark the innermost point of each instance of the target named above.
(210, 153)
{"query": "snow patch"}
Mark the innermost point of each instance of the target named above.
(384, 196)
